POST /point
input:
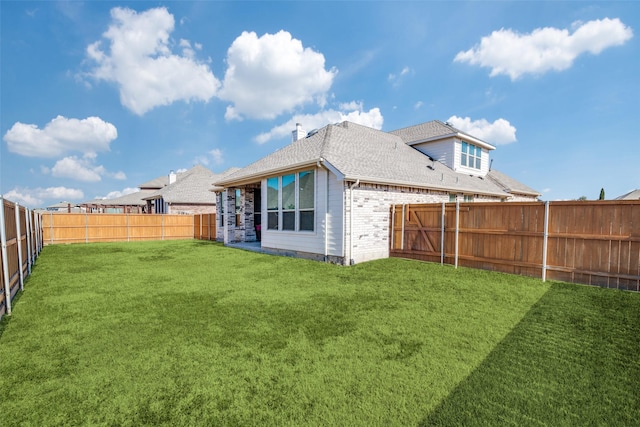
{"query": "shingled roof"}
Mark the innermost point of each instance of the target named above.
(192, 187)
(511, 185)
(356, 152)
(632, 195)
(435, 130)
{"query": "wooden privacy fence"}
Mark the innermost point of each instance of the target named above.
(204, 226)
(596, 243)
(90, 228)
(21, 237)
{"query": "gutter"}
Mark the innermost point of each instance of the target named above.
(247, 179)
(427, 187)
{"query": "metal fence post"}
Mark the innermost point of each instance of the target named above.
(19, 244)
(402, 236)
(545, 241)
(457, 231)
(442, 237)
(5, 264)
(28, 224)
(393, 225)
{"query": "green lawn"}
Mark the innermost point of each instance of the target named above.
(192, 333)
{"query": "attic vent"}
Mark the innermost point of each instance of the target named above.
(312, 132)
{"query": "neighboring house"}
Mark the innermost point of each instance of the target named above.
(632, 195)
(188, 192)
(328, 195)
(63, 207)
(129, 203)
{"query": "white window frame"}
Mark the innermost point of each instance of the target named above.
(281, 210)
(468, 159)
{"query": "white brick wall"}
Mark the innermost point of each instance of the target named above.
(371, 207)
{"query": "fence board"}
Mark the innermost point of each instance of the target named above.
(595, 243)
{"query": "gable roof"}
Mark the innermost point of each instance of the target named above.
(632, 195)
(436, 130)
(355, 152)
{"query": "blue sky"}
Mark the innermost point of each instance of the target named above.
(98, 97)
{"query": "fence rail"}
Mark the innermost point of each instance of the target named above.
(90, 228)
(596, 243)
(21, 238)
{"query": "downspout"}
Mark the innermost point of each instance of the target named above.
(326, 213)
(351, 187)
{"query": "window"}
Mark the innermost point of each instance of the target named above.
(468, 198)
(471, 156)
(222, 197)
(273, 203)
(306, 194)
(291, 202)
(452, 198)
(238, 205)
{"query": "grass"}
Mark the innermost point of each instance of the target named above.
(192, 333)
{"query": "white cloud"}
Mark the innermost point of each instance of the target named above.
(544, 49)
(59, 136)
(82, 169)
(396, 79)
(140, 61)
(273, 74)
(114, 194)
(36, 197)
(214, 156)
(77, 168)
(500, 132)
(372, 118)
(418, 105)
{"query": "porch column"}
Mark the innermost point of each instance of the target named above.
(229, 200)
(249, 230)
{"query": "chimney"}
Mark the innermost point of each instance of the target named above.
(298, 133)
(172, 177)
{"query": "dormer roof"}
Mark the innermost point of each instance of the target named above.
(436, 130)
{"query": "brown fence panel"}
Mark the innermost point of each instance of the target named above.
(64, 228)
(88, 228)
(204, 226)
(506, 237)
(178, 227)
(595, 243)
(20, 246)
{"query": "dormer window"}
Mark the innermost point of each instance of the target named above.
(471, 156)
